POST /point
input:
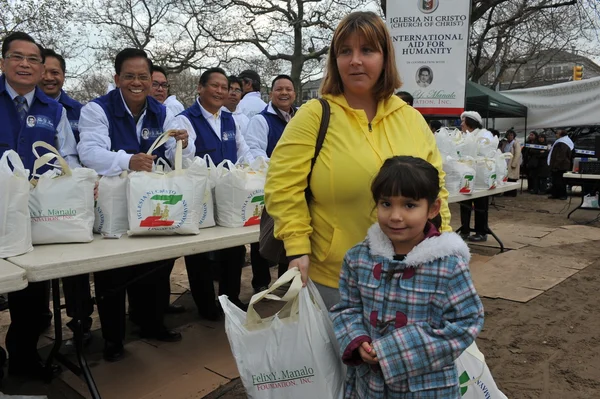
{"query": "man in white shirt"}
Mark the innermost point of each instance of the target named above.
(160, 91)
(28, 115)
(116, 131)
(216, 134)
(252, 102)
(232, 101)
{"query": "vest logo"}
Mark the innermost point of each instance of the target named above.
(74, 124)
(427, 6)
(253, 207)
(145, 134)
(31, 121)
(228, 135)
(160, 218)
(40, 121)
(150, 133)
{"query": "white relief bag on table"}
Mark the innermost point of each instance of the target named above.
(61, 201)
(485, 172)
(474, 376)
(501, 166)
(15, 223)
(293, 354)
(166, 203)
(111, 206)
(240, 193)
(447, 140)
(207, 217)
(487, 148)
(460, 175)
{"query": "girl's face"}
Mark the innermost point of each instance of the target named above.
(403, 220)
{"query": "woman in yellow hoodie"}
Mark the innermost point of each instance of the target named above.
(368, 124)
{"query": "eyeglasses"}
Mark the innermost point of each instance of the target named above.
(164, 85)
(130, 77)
(18, 58)
(236, 91)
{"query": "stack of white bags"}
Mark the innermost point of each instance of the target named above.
(471, 163)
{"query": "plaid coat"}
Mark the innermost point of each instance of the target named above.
(419, 315)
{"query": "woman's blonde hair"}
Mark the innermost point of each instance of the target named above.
(372, 28)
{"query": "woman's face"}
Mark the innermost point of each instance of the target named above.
(531, 137)
(360, 65)
(510, 137)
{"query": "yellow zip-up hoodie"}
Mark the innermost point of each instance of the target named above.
(342, 209)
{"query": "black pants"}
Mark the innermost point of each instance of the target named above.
(76, 290)
(28, 315)
(559, 187)
(200, 274)
(146, 294)
(261, 275)
(481, 206)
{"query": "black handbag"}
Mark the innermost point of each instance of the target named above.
(270, 247)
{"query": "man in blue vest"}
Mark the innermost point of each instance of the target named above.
(27, 116)
(217, 135)
(263, 133)
(76, 288)
(116, 131)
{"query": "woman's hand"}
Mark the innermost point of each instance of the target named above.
(302, 263)
(367, 353)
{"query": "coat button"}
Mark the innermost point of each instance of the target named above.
(377, 271)
(373, 318)
(401, 320)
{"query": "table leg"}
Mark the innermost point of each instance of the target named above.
(57, 325)
(578, 206)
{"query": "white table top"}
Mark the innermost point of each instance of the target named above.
(47, 262)
(484, 193)
(12, 278)
(571, 175)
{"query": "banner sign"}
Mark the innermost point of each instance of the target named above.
(430, 39)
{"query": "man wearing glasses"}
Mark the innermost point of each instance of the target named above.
(252, 102)
(160, 91)
(232, 101)
(27, 116)
(116, 131)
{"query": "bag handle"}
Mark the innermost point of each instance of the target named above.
(161, 140)
(293, 275)
(18, 168)
(46, 158)
(476, 353)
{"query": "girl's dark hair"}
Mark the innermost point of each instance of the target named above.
(406, 176)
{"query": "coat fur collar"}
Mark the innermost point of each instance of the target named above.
(430, 249)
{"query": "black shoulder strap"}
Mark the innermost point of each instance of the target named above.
(320, 139)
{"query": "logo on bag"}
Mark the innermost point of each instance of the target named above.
(52, 215)
(466, 184)
(283, 379)
(464, 378)
(161, 200)
(253, 207)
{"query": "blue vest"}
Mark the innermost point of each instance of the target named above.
(40, 124)
(122, 126)
(276, 127)
(207, 141)
(73, 109)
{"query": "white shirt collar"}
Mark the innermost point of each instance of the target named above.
(207, 114)
(253, 94)
(13, 93)
(127, 108)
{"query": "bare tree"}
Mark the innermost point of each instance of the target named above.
(296, 32)
(184, 85)
(90, 86)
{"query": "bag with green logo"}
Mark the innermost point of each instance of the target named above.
(61, 201)
(15, 224)
(474, 376)
(293, 354)
(166, 203)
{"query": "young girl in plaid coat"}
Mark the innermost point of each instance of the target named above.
(408, 306)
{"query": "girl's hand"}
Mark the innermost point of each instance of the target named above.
(302, 263)
(367, 353)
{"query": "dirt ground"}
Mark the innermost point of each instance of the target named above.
(548, 347)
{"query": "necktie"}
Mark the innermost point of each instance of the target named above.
(21, 105)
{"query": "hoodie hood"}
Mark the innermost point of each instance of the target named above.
(431, 248)
(384, 107)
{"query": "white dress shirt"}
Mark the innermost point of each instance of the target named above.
(251, 104)
(241, 119)
(174, 105)
(94, 145)
(257, 134)
(214, 120)
(64, 140)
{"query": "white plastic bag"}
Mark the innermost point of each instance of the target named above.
(467, 146)
(447, 139)
(475, 379)
(15, 222)
(111, 206)
(166, 203)
(590, 201)
(501, 166)
(485, 172)
(292, 355)
(61, 204)
(487, 148)
(460, 175)
(240, 193)
(208, 208)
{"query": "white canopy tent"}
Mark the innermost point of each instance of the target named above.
(561, 105)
